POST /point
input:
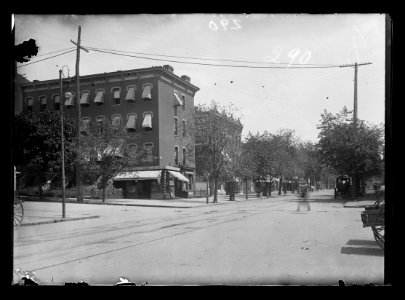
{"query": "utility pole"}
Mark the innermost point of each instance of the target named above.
(79, 194)
(62, 146)
(356, 65)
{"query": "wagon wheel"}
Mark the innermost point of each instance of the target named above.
(18, 213)
(379, 230)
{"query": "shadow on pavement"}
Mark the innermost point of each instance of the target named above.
(375, 251)
(361, 242)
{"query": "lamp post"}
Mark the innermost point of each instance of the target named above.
(62, 142)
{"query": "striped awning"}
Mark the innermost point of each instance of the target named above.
(147, 93)
(147, 121)
(130, 94)
(99, 97)
(179, 176)
(85, 98)
(131, 123)
(70, 100)
(139, 175)
(177, 100)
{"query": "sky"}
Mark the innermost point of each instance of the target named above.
(289, 95)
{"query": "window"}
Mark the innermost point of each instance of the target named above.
(99, 99)
(85, 128)
(148, 149)
(175, 110)
(30, 104)
(84, 100)
(131, 123)
(183, 99)
(56, 102)
(70, 99)
(175, 126)
(132, 150)
(42, 103)
(176, 155)
(177, 100)
(184, 128)
(184, 156)
(147, 92)
(116, 120)
(147, 121)
(100, 120)
(130, 97)
(116, 96)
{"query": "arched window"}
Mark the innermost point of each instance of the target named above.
(116, 91)
(147, 92)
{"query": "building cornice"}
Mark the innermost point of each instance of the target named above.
(116, 76)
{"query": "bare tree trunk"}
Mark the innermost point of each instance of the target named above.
(246, 188)
(103, 195)
(215, 191)
(280, 185)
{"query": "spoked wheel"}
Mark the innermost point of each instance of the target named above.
(379, 230)
(18, 213)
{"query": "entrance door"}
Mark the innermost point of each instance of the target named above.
(144, 189)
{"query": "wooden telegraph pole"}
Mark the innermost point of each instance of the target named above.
(356, 66)
(79, 194)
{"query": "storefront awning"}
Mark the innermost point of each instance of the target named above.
(139, 175)
(179, 176)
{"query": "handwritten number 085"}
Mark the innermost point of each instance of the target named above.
(225, 24)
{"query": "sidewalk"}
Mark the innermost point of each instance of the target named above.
(173, 202)
(45, 216)
(361, 202)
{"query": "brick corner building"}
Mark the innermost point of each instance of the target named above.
(152, 101)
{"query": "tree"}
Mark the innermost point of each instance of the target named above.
(285, 155)
(106, 150)
(37, 142)
(217, 143)
(353, 149)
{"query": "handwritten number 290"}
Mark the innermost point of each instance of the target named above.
(225, 24)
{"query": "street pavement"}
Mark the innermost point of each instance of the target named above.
(248, 242)
(44, 216)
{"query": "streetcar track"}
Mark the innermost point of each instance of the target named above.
(143, 243)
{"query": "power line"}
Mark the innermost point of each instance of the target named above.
(217, 65)
(46, 58)
(55, 51)
(201, 58)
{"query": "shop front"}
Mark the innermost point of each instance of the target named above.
(160, 183)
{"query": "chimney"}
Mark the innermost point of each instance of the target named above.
(185, 77)
(168, 68)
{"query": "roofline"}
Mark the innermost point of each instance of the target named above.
(143, 70)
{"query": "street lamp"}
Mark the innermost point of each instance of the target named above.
(62, 140)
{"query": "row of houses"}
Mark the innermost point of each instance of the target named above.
(157, 108)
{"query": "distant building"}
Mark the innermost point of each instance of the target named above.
(152, 101)
(18, 95)
(232, 126)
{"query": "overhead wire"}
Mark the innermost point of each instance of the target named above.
(33, 62)
(202, 58)
(217, 65)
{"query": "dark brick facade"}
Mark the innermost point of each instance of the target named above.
(161, 106)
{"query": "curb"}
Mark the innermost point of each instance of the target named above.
(58, 220)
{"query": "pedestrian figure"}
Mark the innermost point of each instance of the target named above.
(304, 200)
